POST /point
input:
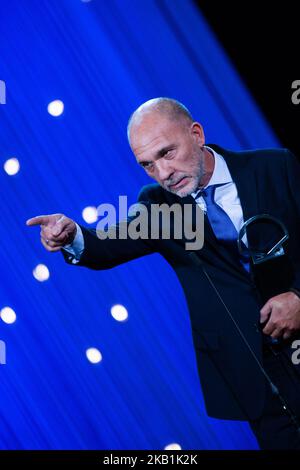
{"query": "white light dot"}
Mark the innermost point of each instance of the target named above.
(56, 108)
(89, 214)
(12, 166)
(119, 312)
(41, 273)
(173, 446)
(8, 315)
(93, 355)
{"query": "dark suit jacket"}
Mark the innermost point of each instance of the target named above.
(268, 181)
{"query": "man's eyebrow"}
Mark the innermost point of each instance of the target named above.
(163, 150)
(158, 154)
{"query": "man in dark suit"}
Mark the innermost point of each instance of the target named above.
(243, 337)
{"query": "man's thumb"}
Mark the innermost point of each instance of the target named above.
(57, 229)
(265, 311)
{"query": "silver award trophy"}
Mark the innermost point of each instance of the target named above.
(263, 240)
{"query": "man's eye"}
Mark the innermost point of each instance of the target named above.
(168, 153)
(147, 166)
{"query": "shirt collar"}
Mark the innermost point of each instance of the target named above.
(221, 174)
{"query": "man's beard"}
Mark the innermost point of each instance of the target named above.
(191, 186)
(188, 188)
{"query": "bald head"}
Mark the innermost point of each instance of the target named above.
(158, 108)
(169, 145)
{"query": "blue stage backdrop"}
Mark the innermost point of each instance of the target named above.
(140, 388)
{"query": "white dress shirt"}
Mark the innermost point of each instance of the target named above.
(76, 247)
(226, 196)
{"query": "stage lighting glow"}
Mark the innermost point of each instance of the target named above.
(173, 446)
(119, 312)
(56, 108)
(89, 214)
(8, 315)
(41, 273)
(93, 355)
(12, 166)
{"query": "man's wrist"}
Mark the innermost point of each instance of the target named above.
(72, 235)
(76, 248)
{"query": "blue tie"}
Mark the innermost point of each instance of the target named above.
(222, 225)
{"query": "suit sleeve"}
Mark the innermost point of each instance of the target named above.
(293, 176)
(110, 252)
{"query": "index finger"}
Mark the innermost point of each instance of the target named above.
(39, 220)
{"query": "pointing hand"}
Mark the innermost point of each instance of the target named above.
(57, 230)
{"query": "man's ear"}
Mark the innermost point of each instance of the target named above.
(198, 134)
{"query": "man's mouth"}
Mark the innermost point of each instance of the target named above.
(179, 183)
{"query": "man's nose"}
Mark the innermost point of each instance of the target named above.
(164, 170)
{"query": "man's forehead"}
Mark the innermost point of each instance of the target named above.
(152, 132)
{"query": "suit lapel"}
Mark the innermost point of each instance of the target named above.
(245, 181)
